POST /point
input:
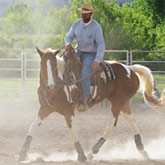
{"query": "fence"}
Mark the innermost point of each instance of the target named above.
(20, 74)
(131, 61)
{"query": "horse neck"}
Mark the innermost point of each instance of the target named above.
(75, 66)
(41, 82)
(60, 66)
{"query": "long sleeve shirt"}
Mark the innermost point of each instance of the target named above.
(89, 38)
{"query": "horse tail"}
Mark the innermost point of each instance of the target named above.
(147, 83)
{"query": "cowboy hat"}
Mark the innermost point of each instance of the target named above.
(87, 8)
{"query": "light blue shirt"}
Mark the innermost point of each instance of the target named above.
(89, 38)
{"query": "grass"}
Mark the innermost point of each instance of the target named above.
(159, 77)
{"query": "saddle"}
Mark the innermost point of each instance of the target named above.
(104, 74)
(101, 79)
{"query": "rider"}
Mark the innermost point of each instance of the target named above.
(90, 46)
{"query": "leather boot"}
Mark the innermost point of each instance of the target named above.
(84, 105)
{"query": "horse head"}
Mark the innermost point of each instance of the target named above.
(48, 68)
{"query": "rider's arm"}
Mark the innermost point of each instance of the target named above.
(70, 35)
(100, 45)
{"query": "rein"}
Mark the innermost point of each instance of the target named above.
(84, 78)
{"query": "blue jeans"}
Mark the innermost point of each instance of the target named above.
(86, 59)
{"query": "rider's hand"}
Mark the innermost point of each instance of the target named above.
(69, 48)
(95, 66)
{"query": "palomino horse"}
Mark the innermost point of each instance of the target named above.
(57, 96)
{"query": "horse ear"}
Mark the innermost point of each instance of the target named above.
(39, 52)
(56, 52)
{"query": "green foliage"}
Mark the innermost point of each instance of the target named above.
(134, 26)
(23, 27)
(18, 19)
(130, 27)
(160, 36)
(152, 8)
(42, 2)
(58, 20)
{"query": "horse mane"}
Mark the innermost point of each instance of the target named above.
(60, 65)
(49, 51)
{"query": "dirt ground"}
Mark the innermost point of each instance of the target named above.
(53, 145)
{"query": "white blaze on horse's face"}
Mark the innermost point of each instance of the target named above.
(51, 82)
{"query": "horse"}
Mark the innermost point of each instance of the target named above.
(55, 95)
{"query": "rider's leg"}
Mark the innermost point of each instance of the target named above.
(86, 59)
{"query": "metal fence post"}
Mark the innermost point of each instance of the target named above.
(130, 58)
(23, 73)
(127, 57)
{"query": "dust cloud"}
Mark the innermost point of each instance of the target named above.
(53, 157)
(52, 142)
(155, 150)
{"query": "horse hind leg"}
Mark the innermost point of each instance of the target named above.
(137, 137)
(111, 126)
(132, 124)
(28, 139)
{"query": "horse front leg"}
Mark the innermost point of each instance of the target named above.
(111, 126)
(28, 139)
(79, 149)
(137, 137)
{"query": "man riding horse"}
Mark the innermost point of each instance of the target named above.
(90, 47)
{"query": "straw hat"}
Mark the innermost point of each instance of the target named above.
(87, 8)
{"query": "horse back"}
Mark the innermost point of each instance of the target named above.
(126, 82)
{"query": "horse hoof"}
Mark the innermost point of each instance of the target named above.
(144, 154)
(90, 156)
(140, 147)
(22, 156)
(82, 158)
(138, 142)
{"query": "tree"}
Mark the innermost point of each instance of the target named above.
(137, 25)
(130, 27)
(153, 8)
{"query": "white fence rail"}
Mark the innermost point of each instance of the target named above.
(21, 72)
